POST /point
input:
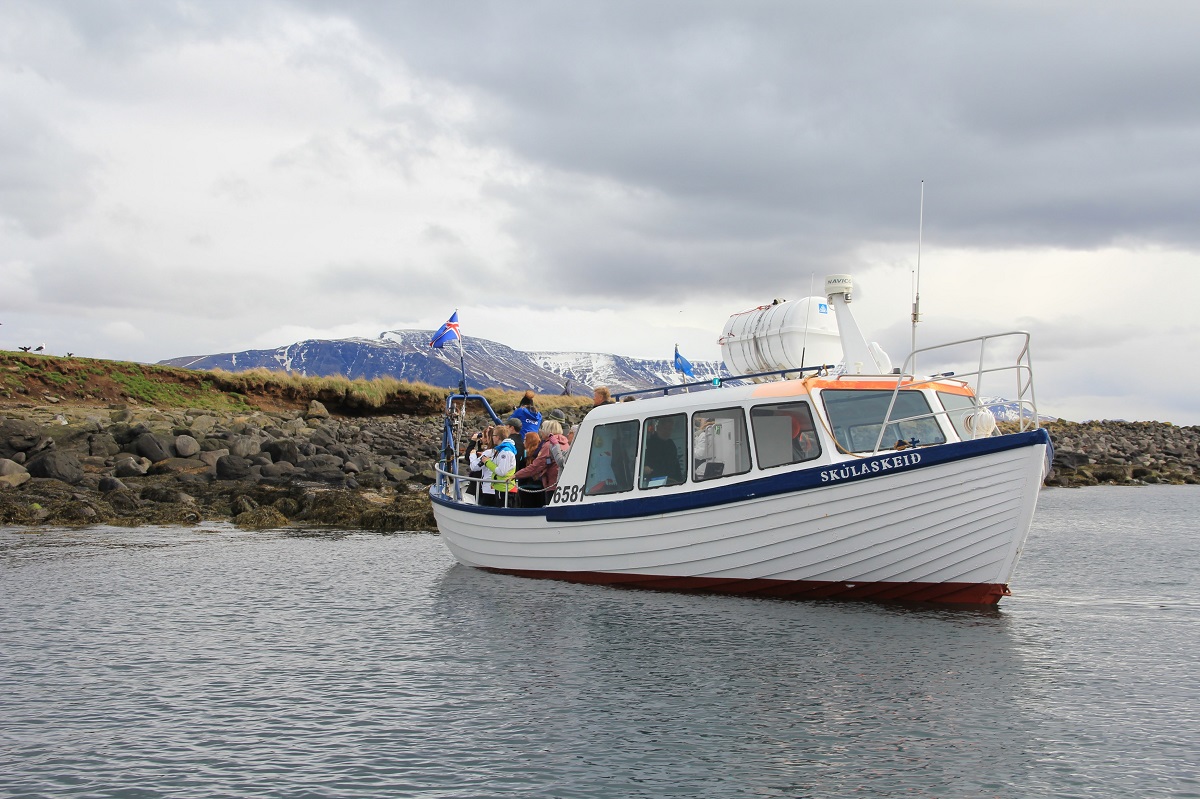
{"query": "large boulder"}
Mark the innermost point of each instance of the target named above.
(12, 474)
(244, 446)
(316, 411)
(151, 447)
(103, 444)
(186, 446)
(57, 466)
(231, 467)
(17, 435)
(181, 466)
(131, 466)
(212, 456)
(108, 484)
(283, 450)
(276, 470)
(203, 425)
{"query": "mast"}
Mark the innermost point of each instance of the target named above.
(916, 306)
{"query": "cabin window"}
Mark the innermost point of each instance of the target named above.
(611, 458)
(720, 446)
(856, 416)
(784, 433)
(958, 407)
(664, 449)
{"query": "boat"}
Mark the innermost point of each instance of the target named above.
(842, 480)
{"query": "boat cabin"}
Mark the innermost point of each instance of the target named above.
(708, 438)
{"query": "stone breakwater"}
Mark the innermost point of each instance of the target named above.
(128, 466)
(1124, 453)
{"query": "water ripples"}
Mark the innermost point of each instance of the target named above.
(217, 662)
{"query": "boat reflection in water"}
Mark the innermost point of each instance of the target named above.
(860, 482)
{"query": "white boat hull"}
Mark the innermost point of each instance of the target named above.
(947, 532)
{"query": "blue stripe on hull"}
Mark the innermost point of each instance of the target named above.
(787, 482)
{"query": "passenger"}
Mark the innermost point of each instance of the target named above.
(804, 440)
(552, 455)
(702, 440)
(530, 491)
(517, 439)
(483, 453)
(515, 425)
(661, 456)
(601, 396)
(502, 462)
(528, 414)
(533, 442)
(600, 477)
(474, 447)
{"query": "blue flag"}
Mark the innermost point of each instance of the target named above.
(447, 332)
(682, 364)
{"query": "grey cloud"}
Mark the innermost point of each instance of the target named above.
(45, 181)
(1057, 125)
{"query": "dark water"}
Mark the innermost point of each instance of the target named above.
(221, 663)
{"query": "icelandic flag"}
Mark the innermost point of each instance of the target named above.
(447, 332)
(682, 364)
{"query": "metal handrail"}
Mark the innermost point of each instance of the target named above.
(1022, 369)
(456, 478)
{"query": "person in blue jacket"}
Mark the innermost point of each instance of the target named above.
(530, 416)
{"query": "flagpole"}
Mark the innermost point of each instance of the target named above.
(462, 363)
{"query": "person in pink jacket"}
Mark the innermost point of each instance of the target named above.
(547, 464)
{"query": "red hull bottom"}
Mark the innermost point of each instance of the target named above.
(985, 594)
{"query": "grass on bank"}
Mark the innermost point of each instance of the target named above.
(88, 380)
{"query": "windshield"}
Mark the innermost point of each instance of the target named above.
(856, 416)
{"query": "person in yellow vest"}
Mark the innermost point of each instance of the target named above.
(502, 462)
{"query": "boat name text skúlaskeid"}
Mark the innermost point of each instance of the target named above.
(855, 482)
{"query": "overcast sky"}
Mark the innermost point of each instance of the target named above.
(183, 178)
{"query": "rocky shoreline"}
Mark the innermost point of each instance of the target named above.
(131, 465)
(1124, 453)
(127, 465)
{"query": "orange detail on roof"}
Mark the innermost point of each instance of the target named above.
(782, 388)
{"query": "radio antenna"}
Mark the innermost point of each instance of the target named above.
(807, 316)
(916, 306)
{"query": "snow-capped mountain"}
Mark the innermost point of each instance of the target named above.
(618, 372)
(406, 355)
(1009, 411)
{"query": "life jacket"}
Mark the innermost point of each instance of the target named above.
(503, 482)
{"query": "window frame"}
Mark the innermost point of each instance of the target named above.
(836, 416)
(955, 416)
(590, 476)
(730, 411)
(779, 409)
(681, 424)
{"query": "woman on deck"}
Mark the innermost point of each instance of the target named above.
(547, 464)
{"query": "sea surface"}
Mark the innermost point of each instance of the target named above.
(216, 662)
